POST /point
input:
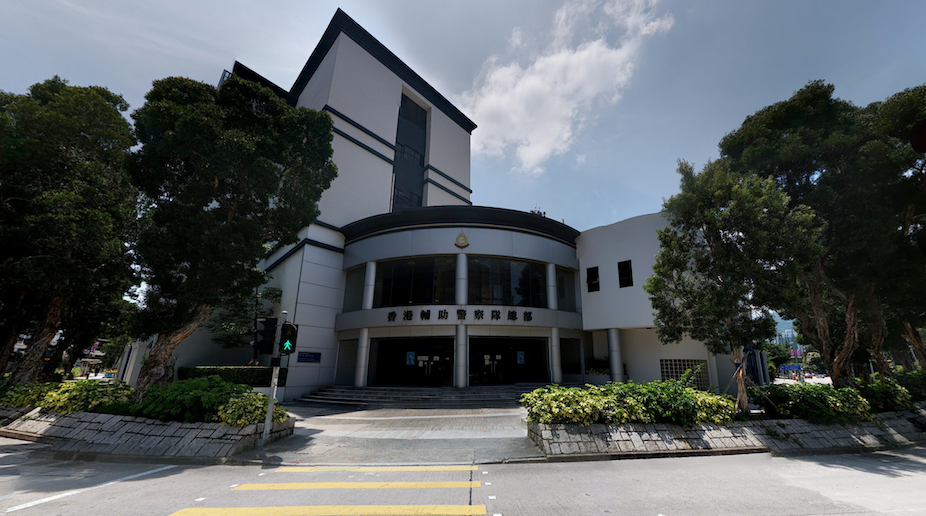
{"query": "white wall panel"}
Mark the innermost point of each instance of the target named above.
(363, 187)
(603, 247)
(365, 90)
(641, 350)
(316, 92)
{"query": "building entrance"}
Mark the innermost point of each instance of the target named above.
(412, 362)
(501, 361)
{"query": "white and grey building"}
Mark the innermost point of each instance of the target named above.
(401, 281)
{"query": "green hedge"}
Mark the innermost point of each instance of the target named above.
(915, 383)
(23, 395)
(255, 376)
(88, 396)
(885, 394)
(191, 401)
(669, 402)
(248, 409)
(817, 403)
(194, 400)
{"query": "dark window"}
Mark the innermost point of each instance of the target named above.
(415, 281)
(624, 274)
(565, 290)
(498, 281)
(410, 147)
(414, 113)
(353, 290)
(591, 279)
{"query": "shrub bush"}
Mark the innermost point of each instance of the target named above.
(190, 401)
(915, 383)
(27, 394)
(255, 376)
(87, 396)
(555, 404)
(884, 394)
(618, 403)
(817, 403)
(248, 409)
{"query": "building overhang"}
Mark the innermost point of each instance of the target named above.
(459, 216)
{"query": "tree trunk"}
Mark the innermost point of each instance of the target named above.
(11, 329)
(903, 359)
(154, 371)
(878, 331)
(742, 399)
(842, 371)
(31, 364)
(913, 338)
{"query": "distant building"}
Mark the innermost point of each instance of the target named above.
(401, 281)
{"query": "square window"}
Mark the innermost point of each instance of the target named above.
(591, 278)
(624, 274)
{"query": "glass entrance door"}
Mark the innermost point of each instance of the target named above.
(506, 361)
(424, 362)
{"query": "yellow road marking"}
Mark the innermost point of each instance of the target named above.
(339, 510)
(357, 485)
(309, 469)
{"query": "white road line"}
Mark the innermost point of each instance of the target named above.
(78, 491)
(201, 499)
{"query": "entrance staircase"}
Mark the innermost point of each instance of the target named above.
(496, 396)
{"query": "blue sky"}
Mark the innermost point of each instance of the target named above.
(583, 106)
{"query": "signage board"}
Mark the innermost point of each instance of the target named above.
(310, 357)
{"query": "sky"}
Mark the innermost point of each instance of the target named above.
(583, 107)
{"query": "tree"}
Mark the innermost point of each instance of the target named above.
(232, 323)
(855, 168)
(66, 211)
(731, 248)
(225, 172)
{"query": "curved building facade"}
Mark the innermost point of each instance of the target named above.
(457, 295)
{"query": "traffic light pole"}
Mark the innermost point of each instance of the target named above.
(268, 419)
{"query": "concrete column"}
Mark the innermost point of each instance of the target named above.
(552, 296)
(712, 370)
(462, 290)
(556, 360)
(461, 357)
(614, 355)
(363, 357)
(369, 284)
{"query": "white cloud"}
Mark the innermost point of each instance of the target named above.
(537, 108)
(516, 41)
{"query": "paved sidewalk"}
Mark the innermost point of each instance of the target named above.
(347, 436)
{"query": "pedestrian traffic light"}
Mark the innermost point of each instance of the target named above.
(288, 338)
(264, 339)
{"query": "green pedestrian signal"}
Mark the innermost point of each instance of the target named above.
(288, 334)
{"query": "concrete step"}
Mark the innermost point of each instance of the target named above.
(421, 397)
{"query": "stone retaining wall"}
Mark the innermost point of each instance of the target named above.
(127, 435)
(888, 430)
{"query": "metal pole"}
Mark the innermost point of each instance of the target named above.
(275, 363)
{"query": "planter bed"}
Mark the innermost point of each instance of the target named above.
(888, 430)
(128, 435)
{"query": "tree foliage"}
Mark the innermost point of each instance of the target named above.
(855, 168)
(66, 214)
(232, 322)
(224, 173)
(732, 246)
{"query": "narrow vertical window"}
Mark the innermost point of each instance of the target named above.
(624, 274)
(591, 279)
